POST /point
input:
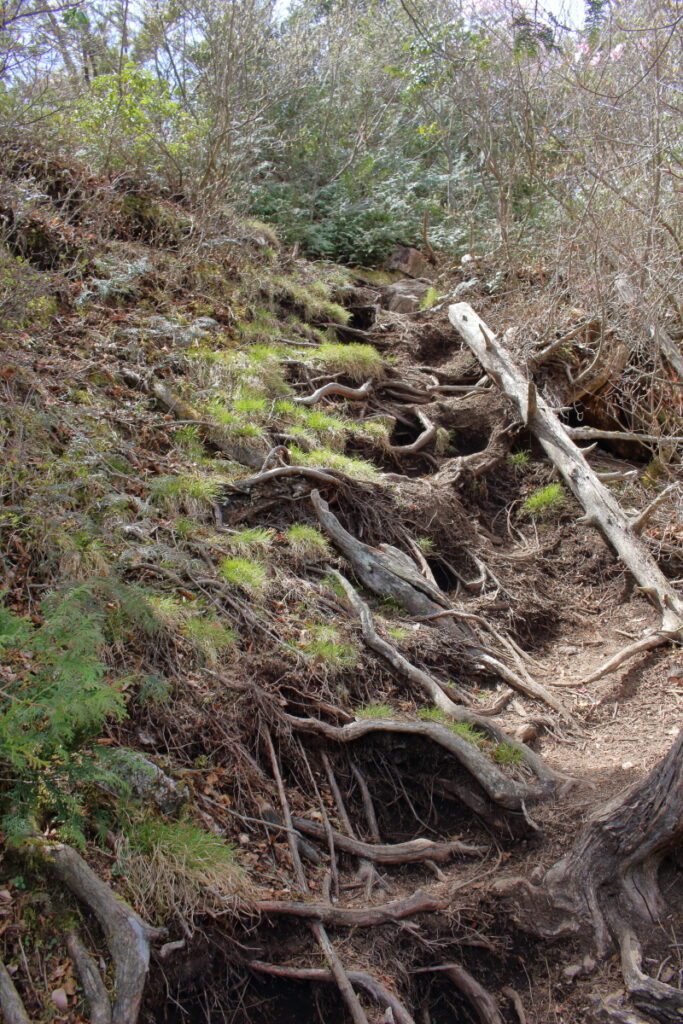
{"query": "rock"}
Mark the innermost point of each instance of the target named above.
(148, 782)
(407, 261)
(404, 296)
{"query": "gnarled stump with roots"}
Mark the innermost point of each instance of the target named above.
(607, 885)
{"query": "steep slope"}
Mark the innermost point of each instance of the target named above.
(296, 632)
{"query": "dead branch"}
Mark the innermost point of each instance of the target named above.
(352, 917)
(359, 979)
(482, 1000)
(647, 643)
(128, 936)
(10, 1001)
(393, 853)
(94, 988)
(639, 522)
(353, 394)
(590, 433)
(601, 507)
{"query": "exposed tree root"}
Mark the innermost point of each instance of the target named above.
(482, 1001)
(391, 573)
(392, 853)
(501, 788)
(353, 394)
(421, 441)
(607, 883)
(433, 690)
(352, 917)
(359, 979)
(94, 988)
(128, 936)
(13, 1010)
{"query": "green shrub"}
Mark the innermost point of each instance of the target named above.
(56, 702)
(545, 502)
(519, 460)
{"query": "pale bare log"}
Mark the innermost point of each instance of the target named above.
(601, 507)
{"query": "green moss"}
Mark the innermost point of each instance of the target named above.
(429, 298)
(358, 469)
(252, 539)
(210, 639)
(545, 502)
(327, 645)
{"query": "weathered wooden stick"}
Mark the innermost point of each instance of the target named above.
(601, 507)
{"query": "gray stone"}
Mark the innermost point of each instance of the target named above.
(404, 296)
(148, 782)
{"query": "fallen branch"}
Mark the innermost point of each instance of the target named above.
(601, 507)
(353, 394)
(359, 979)
(392, 853)
(128, 936)
(639, 522)
(11, 1002)
(647, 643)
(351, 917)
(591, 433)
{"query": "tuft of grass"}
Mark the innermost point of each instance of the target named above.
(169, 613)
(249, 576)
(545, 502)
(398, 633)
(519, 460)
(307, 543)
(177, 867)
(374, 711)
(429, 298)
(333, 584)
(463, 729)
(210, 639)
(426, 545)
(327, 645)
(189, 491)
(506, 754)
(254, 538)
(355, 361)
(358, 469)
